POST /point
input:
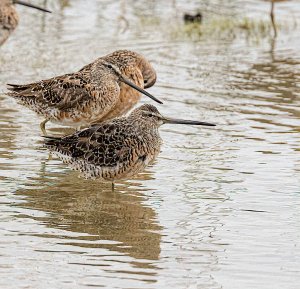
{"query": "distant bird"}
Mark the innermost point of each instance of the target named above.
(116, 149)
(104, 89)
(9, 17)
(189, 18)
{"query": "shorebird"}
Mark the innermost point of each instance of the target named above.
(116, 149)
(9, 17)
(104, 89)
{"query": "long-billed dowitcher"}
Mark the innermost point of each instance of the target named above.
(104, 89)
(115, 149)
(9, 17)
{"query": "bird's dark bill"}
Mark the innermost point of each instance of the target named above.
(140, 89)
(30, 5)
(189, 122)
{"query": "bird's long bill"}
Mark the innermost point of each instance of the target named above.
(30, 5)
(189, 122)
(139, 89)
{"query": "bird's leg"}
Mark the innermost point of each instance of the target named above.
(273, 18)
(113, 186)
(42, 126)
(49, 157)
(80, 127)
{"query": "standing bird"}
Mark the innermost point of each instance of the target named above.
(103, 89)
(9, 17)
(115, 149)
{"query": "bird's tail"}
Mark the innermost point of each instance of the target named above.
(22, 93)
(17, 87)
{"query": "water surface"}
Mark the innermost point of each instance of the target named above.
(219, 208)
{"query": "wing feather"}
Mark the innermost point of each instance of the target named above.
(106, 145)
(63, 92)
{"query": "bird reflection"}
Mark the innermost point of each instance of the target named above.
(86, 207)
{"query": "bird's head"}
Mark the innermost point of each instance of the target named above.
(130, 61)
(150, 114)
(114, 69)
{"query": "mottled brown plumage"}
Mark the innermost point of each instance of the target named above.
(115, 149)
(99, 91)
(9, 18)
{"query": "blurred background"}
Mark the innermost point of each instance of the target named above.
(218, 209)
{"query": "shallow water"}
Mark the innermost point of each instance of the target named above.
(220, 207)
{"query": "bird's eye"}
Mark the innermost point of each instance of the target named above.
(109, 66)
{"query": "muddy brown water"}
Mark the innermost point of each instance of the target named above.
(218, 209)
